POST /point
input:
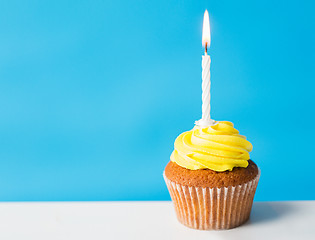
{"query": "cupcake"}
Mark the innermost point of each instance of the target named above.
(210, 177)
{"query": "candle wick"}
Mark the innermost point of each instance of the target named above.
(206, 47)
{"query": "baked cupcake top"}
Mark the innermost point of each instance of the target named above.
(219, 147)
(209, 178)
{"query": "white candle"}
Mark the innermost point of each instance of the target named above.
(206, 83)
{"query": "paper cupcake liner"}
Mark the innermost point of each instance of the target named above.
(212, 208)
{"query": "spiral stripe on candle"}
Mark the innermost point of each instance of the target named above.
(206, 88)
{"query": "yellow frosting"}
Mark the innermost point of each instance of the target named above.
(219, 147)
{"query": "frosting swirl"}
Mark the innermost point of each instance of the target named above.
(219, 147)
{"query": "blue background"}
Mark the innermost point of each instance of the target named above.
(94, 93)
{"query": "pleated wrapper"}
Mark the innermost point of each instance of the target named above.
(212, 208)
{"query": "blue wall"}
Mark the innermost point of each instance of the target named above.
(94, 93)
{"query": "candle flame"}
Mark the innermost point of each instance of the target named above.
(206, 30)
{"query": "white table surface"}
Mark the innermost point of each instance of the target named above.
(146, 220)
